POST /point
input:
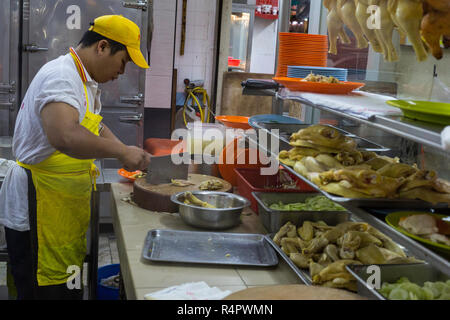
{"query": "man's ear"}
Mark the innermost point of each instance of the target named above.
(102, 45)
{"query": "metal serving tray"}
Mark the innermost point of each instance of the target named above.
(273, 220)
(353, 202)
(303, 274)
(416, 273)
(286, 130)
(208, 247)
(395, 203)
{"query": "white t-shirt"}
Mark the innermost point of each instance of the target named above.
(57, 81)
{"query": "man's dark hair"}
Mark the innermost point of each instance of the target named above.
(91, 37)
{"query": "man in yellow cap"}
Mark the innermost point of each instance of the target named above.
(45, 198)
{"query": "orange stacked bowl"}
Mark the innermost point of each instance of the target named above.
(301, 49)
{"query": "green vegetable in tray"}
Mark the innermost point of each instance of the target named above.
(403, 289)
(316, 203)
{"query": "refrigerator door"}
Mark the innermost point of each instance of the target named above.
(51, 27)
(9, 29)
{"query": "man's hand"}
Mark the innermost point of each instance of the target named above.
(134, 158)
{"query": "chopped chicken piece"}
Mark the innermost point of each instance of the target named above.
(419, 224)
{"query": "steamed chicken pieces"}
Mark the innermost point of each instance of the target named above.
(326, 250)
(331, 160)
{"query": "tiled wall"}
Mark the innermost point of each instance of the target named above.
(197, 61)
(159, 76)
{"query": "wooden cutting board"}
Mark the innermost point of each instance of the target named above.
(293, 292)
(157, 197)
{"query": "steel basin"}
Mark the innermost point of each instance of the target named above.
(226, 215)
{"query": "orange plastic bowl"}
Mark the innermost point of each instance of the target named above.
(236, 122)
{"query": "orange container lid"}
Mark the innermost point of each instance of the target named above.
(237, 122)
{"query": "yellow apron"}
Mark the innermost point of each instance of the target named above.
(63, 192)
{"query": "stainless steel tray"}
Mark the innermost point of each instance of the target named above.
(208, 247)
(353, 202)
(273, 220)
(286, 130)
(395, 203)
(416, 273)
(303, 274)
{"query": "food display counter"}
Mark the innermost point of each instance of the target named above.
(140, 277)
(132, 224)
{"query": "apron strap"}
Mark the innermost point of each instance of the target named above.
(32, 214)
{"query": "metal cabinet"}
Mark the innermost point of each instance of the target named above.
(33, 32)
(9, 65)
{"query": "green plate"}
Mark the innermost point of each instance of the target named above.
(436, 112)
(392, 219)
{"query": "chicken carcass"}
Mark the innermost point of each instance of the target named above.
(385, 32)
(346, 10)
(435, 23)
(335, 26)
(407, 14)
(362, 16)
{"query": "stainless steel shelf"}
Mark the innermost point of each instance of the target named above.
(428, 134)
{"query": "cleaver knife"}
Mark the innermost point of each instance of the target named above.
(162, 169)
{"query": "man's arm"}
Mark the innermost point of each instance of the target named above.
(108, 134)
(60, 123)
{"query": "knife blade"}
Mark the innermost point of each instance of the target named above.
(162, 169)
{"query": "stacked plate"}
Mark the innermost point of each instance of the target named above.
(304, 71)
(301, 49)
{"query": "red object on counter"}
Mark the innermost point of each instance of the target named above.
(250, 180)
(163, 147)
(128, 174)
(226, 166)
(232, 62)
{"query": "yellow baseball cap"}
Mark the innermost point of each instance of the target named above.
(124, 31)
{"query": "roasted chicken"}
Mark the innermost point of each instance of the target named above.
(346, 10)
(407, 15)
(362, 16)
(335, 26)
(385, 32)
(435, 24)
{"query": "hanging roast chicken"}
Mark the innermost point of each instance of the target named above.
(423, 22)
